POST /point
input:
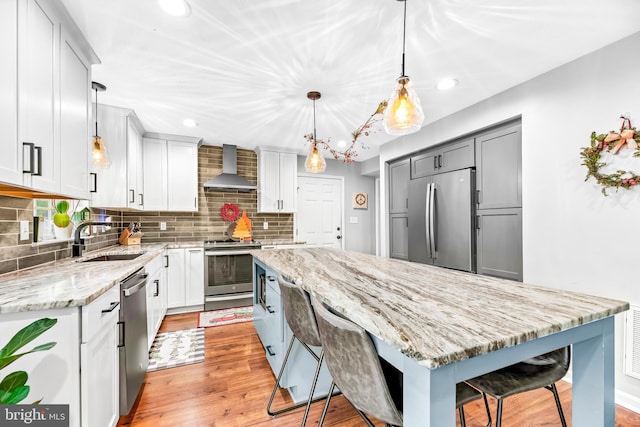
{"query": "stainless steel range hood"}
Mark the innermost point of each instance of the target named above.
(229, 180)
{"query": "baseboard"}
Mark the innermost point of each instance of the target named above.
(626, 400)
(187, 309)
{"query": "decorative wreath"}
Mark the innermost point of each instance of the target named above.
(229, 212)
(612, 142)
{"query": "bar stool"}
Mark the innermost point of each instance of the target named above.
(302, 322)
(358, 372)
(531, 374)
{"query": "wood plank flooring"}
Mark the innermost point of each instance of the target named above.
(232, 386)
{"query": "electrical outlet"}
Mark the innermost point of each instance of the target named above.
(353, 220)
(24, 230)
(265, 225)
(163, 226)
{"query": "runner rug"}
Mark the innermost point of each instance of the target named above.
(225, 316)
(177, 348)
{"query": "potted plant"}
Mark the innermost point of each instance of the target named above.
(63, 227)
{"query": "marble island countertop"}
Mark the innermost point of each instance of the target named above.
(71, 282)
(434, 315)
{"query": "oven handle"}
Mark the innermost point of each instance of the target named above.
(222, 253)
(229, 297)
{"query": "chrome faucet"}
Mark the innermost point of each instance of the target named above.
(78, 243)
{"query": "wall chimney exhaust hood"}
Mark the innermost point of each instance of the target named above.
(229, 180)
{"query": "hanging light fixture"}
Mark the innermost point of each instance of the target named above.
(315, 163)
(99, 155)
(403, 114)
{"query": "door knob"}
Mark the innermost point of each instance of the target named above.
(338, 237)
(338, 228)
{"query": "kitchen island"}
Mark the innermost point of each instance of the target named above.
(442, 326)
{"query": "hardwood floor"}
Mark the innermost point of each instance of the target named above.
(232, 386)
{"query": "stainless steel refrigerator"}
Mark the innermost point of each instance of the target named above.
(442, 220)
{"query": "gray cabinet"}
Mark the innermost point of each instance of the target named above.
(499, 202)
(274, 333)
(399, 176)
(398, 186)
(399, 236)
(449, 157)
(499, 241)
(499, 168)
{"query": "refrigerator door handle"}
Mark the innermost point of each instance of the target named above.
(427, 219)
(432, 221)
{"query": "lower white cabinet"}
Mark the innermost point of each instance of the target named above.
(99, 361)
(185, 278)
(156, 297)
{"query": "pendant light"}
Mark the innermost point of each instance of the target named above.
(99, 155)
(403, 114)
(315, 163)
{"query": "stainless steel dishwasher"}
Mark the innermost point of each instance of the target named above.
(134, 356)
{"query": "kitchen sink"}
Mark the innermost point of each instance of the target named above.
(113, 257)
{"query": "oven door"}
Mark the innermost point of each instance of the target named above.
(228, 279)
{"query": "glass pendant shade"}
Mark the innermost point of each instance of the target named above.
(315, 163)
(99, 155)
(403, 114)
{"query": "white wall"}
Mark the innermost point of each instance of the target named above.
(358, 237)
(574, 238)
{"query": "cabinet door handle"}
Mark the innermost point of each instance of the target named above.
(95, 182)
(166, 259)
(271, 278)
(132, 195)
(477, 222)
(31, 146)
(478, 196)
(38, 150)
(157, 292)
(195, 202)
(141, 199)
(270, 310)
(111, 307)
(435, 162)
(121, 334)
(439, 161)
(270, 351)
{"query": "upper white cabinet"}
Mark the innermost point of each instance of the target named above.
(170, 172)
(277, 181)
(44, 114)
(121, 184)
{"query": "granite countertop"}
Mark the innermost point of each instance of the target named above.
(281, 242)
(434, 315)
(71, 282)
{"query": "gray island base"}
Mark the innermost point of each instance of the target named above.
(442, 326)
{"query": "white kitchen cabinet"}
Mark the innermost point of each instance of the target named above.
(185, 278)
(156, 297)
(194, 276)
(117, 185)
(99, 361)
(170, 172)
(277, 181)
(45, 112)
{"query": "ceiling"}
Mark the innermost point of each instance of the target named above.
(242, 68)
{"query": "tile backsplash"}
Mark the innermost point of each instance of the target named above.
(205, 224)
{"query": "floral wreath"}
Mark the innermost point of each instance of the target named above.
(612, 142)
(229, 212)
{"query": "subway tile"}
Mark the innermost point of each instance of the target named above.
(8, 266)
(33, 260)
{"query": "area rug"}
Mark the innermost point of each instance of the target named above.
(177, 348)
(225, 316)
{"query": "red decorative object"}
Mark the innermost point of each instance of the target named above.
(229, 212)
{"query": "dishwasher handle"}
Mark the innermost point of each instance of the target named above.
(134, 283)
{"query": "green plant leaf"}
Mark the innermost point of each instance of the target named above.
(62, 206)
(15, 396)
(14, 380)
(27, 334)
(4, 361)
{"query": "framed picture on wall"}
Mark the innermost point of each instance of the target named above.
(360, 201)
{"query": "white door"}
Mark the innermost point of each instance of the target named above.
(319, 217)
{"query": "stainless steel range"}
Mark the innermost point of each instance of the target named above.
(228, 274)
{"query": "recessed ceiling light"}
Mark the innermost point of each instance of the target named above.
(175, 7)
(448, 83)
(190, 123)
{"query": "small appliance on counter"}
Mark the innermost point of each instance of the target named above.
(131, 235)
